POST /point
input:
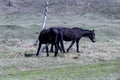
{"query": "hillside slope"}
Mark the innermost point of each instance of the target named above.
(62, 7)
(26, 17)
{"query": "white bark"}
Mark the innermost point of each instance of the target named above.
(44, 20)
(45, 15)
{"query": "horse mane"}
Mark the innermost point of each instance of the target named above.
(80, 29)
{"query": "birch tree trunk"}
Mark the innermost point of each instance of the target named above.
(45, 15)
(44, 20)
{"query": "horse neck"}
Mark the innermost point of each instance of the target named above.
(85, 33)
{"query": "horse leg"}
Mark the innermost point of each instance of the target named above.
(62, 48)
(38, 49)
(56, 50)
(42, 50)
(47, 49)
(77, 45)
(59, 47)
(56, 46)
(61, 43)
(70, 45)
(51, 50)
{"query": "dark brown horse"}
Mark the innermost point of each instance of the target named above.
(79, 33)
(74, 35)
(50, 36)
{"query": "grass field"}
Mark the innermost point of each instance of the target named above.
(96, 61)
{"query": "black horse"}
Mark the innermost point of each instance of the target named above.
(79, 33)
(75, 34)
(50, 36)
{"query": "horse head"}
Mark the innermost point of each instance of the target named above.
(92, 36)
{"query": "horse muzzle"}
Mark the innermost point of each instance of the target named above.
(94, 40)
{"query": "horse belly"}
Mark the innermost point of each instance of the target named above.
(67, 38)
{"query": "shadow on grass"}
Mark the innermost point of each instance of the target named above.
(29, 55)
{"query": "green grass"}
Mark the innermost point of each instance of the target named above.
(99, 71)
(26, 26)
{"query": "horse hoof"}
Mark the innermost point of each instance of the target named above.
(47, 55)
(78, 51)
(36, 54)
(64, 51)
(52, 51)
(55, 55)
(67, 50)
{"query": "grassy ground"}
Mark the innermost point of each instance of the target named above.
(96, 61)
(65, 71)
